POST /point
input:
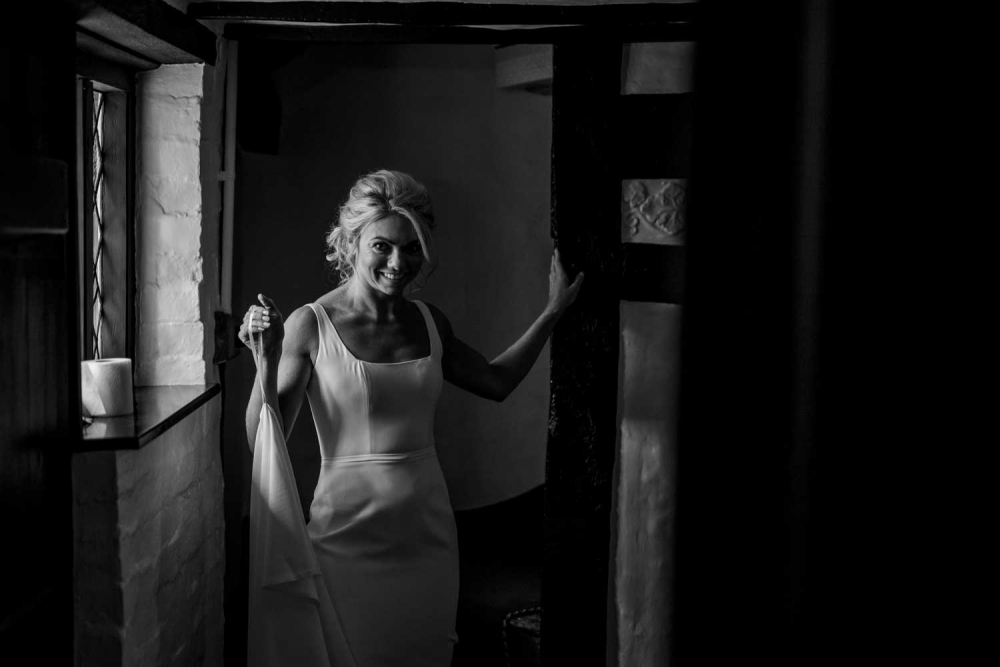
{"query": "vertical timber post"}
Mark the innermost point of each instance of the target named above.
(585, 346)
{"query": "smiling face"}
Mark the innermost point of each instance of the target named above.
(389, 255)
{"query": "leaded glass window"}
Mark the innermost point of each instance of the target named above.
(97, 218)
(106, 210)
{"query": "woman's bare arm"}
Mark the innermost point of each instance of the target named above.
(285, 373)
(466, 368)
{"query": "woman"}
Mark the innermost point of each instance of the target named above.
(371, 364)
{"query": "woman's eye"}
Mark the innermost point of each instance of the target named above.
(379, 246)
(414, 249)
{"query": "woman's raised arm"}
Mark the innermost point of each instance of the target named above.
(285, 366)
(467, 368)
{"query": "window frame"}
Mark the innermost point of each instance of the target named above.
(118, 277)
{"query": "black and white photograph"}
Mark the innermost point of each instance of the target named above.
(437, 333)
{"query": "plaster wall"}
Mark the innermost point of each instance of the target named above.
(434, 112)
(645, 478)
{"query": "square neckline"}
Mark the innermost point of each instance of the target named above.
(430, 341)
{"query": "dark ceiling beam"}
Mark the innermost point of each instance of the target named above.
(444, 13)
(405, 34)
(89, 45)
(151, 29)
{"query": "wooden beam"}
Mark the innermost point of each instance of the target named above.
(91, 47)
(583, 427)
(458, 34)
(100, 69)
(445, 13)
(150, 28)
(656, 136)
(653, 273)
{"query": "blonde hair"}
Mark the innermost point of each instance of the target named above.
(376, 196)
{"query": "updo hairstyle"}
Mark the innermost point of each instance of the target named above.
(373, 197)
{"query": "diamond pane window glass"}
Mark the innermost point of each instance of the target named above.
(97, 211)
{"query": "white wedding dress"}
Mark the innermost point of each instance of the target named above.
(372, 580)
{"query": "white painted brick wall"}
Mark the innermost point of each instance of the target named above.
(170, 226)
(149, 559)
(171, 536)
(212, 151)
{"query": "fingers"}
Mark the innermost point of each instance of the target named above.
(574, 288)
(256, 315)
(255, 320)
(259, 317)
(556, 267)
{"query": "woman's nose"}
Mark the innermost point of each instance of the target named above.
(395, 260)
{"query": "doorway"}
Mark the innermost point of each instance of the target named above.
(313, 117)
(585, 220)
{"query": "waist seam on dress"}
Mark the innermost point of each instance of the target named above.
(397, 457)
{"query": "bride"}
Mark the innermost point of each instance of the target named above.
(371, 363)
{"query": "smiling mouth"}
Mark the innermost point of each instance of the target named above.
(393, 277)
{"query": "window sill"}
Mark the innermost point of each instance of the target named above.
(156, 410)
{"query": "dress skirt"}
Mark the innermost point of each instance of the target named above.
(384, 536)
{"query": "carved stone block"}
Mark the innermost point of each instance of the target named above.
(654, 210)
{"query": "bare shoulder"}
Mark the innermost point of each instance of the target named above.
(301, 331)
(440, 320)
(332, 302)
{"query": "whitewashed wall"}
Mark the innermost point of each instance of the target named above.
(148, 524)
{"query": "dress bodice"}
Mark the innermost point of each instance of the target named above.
(366, 410)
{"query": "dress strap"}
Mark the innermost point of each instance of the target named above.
(431, 329)
(323, 326)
